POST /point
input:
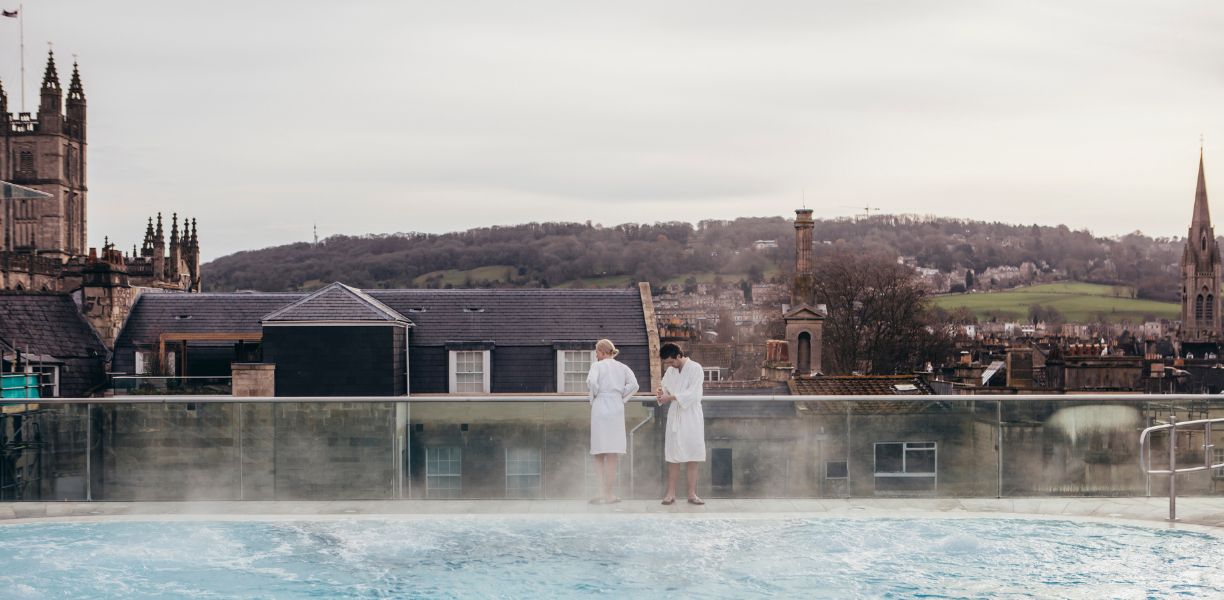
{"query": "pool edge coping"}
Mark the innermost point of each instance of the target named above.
(1203, 514)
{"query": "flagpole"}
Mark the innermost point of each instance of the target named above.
(21, 36)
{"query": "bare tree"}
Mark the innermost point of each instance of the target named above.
(877, 319)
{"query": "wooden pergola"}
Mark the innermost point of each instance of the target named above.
(222, 336)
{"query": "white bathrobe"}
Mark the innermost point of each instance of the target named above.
(685, 439)
(610, 384)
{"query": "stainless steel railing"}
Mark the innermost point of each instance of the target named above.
(1172, 427)
(1172, 400)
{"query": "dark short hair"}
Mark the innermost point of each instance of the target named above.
(670, 350)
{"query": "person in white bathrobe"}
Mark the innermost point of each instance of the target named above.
(610, 384)
(685, 438)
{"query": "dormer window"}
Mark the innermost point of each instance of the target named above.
(469, 372)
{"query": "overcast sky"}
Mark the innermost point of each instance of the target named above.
(263, 118)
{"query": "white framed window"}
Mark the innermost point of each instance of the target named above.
(443, 472)
(1217, 457)
(572, 369)
(469, 371)
(143, 360)
(712, 373)
(48, 380)
(905, 459)
(523, 473)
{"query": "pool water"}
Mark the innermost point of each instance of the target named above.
(644, 556)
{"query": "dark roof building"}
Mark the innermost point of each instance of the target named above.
(471, 341)
(50, 336)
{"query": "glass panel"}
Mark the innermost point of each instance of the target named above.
(43, 452)
(1091, 447)
(522, 472)
(444, 472)
(131, 385)
(507, 447)
(890, 458)
(920, 460)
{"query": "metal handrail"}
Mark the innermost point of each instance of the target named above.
(1165, 399)
(1172, 426)
(140, 377)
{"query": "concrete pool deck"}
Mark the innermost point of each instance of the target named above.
(1191, 511)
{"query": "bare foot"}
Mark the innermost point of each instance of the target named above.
(695, 500)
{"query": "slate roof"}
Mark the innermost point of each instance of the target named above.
(508, 317)
(712, 355)
(49, 327)
(860, 385)
(47, 324)
(520, 317)
(336, 303)
(157, 313)
(866, 385)
(743, 409)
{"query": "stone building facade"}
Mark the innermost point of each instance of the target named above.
(44, 243)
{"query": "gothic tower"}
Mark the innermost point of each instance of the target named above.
(46, 152)
(1200, 272)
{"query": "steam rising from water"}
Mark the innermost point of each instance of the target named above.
(1083, 420)
(642, 556)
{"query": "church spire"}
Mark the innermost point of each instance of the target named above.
(75, 90)
(51, 104)
(1201, 213)
(1202, 313)
(50, 75)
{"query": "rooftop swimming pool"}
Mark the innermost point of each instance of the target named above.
(633, 556)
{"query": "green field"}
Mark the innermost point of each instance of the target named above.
(457, 278)
(1078, 302)
(497, 273)
(611, 281)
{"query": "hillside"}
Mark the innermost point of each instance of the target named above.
(1076, 302)
(583, 254)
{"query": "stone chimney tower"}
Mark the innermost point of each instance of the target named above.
(805, 320)
(802, 290)
(105, 297)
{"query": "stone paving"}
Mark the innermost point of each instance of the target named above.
(1193, 512)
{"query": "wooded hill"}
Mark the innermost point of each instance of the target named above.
(583, 254)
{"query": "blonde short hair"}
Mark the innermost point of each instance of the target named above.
(607, 347)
